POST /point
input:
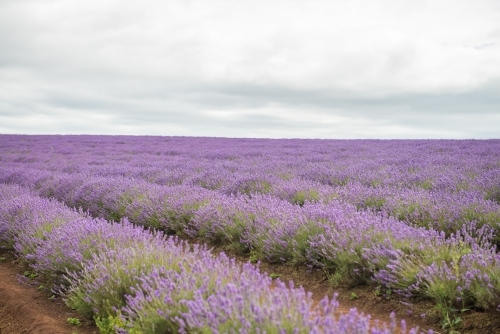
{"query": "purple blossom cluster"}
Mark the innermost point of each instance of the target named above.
(25, 219)
(132, 280)
(440, 210)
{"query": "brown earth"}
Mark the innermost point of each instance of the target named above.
(26, 309)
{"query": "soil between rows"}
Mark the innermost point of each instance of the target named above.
(26, 309)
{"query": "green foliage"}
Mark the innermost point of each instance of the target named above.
(254, 258)
(303, 196)
(340, 181)
(108, 324)
(426, 184)
(74, 321)
(451, 321)
(255, 187)
(30, 274)
(383, 292)
(347, 274)
(299, 245)
(493, 195)
(442, 291)
(373, 202)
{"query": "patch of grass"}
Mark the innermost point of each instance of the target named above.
(74, 321)
(107, 325)
(303, 196)
(254, 257)
(383, 292)
(452, 322)
(30, 274)
(374, 202)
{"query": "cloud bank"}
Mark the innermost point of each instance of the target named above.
(301, 69)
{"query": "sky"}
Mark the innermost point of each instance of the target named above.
(262, 69)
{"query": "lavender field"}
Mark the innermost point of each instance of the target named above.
(100, 216)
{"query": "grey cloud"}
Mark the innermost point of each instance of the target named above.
(482, 100)
(104, 73)
(421, 114)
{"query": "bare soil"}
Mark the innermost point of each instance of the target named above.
(26, 309)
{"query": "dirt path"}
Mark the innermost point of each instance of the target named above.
(25, 309)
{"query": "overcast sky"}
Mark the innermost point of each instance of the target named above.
(272, 69)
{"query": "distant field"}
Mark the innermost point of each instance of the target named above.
(419, 219)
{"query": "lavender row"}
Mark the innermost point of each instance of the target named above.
(443, 211)
(352, 247)
(439, 210)
(131, 280)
